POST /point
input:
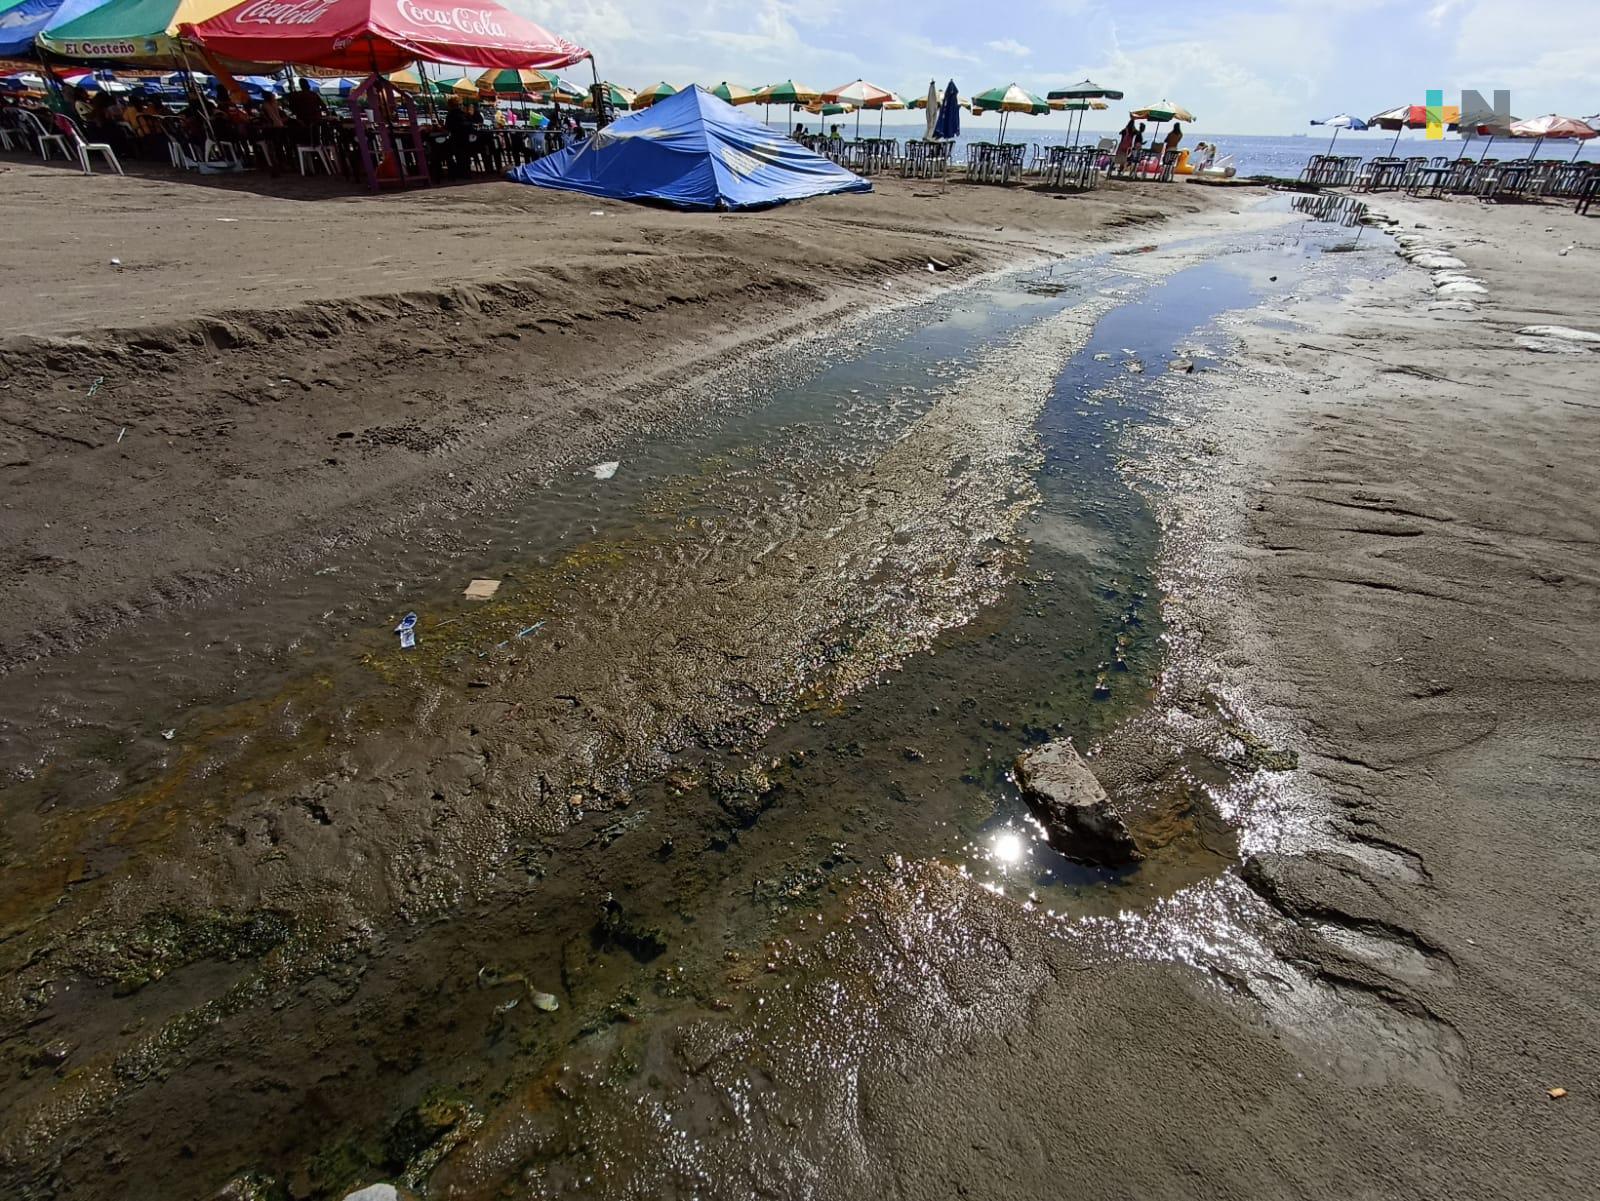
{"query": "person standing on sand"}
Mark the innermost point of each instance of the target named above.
(1125, 143)
(1173, 138)
(459, 126)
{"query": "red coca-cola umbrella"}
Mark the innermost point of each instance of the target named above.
(382, 35)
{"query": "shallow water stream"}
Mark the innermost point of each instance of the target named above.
(884, 725)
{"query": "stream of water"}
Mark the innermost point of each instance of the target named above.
(632, 915)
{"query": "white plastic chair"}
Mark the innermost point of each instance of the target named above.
(311, 156)
(34, 128)
(71, 134)
(223, 156)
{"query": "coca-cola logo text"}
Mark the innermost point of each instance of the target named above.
(464, 20)
(284, 12)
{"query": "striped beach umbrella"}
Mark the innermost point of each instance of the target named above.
(656, 91)
(1342, 121)
(1008, 100)
(1412, 116)
(860, 94)
(512, 82)
(1161, 112)
(1552, 126)
(456, 85)
(788, 92)
(407, 80)
(733, 93)
(616, 96)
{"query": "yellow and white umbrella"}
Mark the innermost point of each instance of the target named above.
(645, 97)
(733, 93)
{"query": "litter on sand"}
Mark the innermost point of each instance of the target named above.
(482, 589)
(604, 471)
(522, 633)
(1556, 1094)
(407, 629)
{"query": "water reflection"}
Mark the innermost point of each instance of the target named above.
(1332, 208)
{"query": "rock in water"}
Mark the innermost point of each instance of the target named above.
(1080, 820)
(377, 1192)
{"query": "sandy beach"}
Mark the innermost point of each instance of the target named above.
(692, 864)
(302, 354)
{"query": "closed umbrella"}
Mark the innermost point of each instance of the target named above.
(1342, 121)
(949, 127)
(931, 104)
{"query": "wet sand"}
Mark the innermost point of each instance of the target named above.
(1375, 606)
(268, 372)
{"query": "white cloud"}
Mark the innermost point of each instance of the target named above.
(1242, 66)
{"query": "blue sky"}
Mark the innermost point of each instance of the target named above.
(1242, 66)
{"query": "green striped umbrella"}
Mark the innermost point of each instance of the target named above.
(456, 85)
(616, 96)
(788, 92)
(1008, 100)
(656, 91)
(732, 93)
(510, 82)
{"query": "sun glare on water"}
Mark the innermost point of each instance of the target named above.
(1007, 847)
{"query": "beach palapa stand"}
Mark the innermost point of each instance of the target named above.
(378, 36)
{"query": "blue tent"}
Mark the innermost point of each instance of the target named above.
(20, 20)
(692, 151)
